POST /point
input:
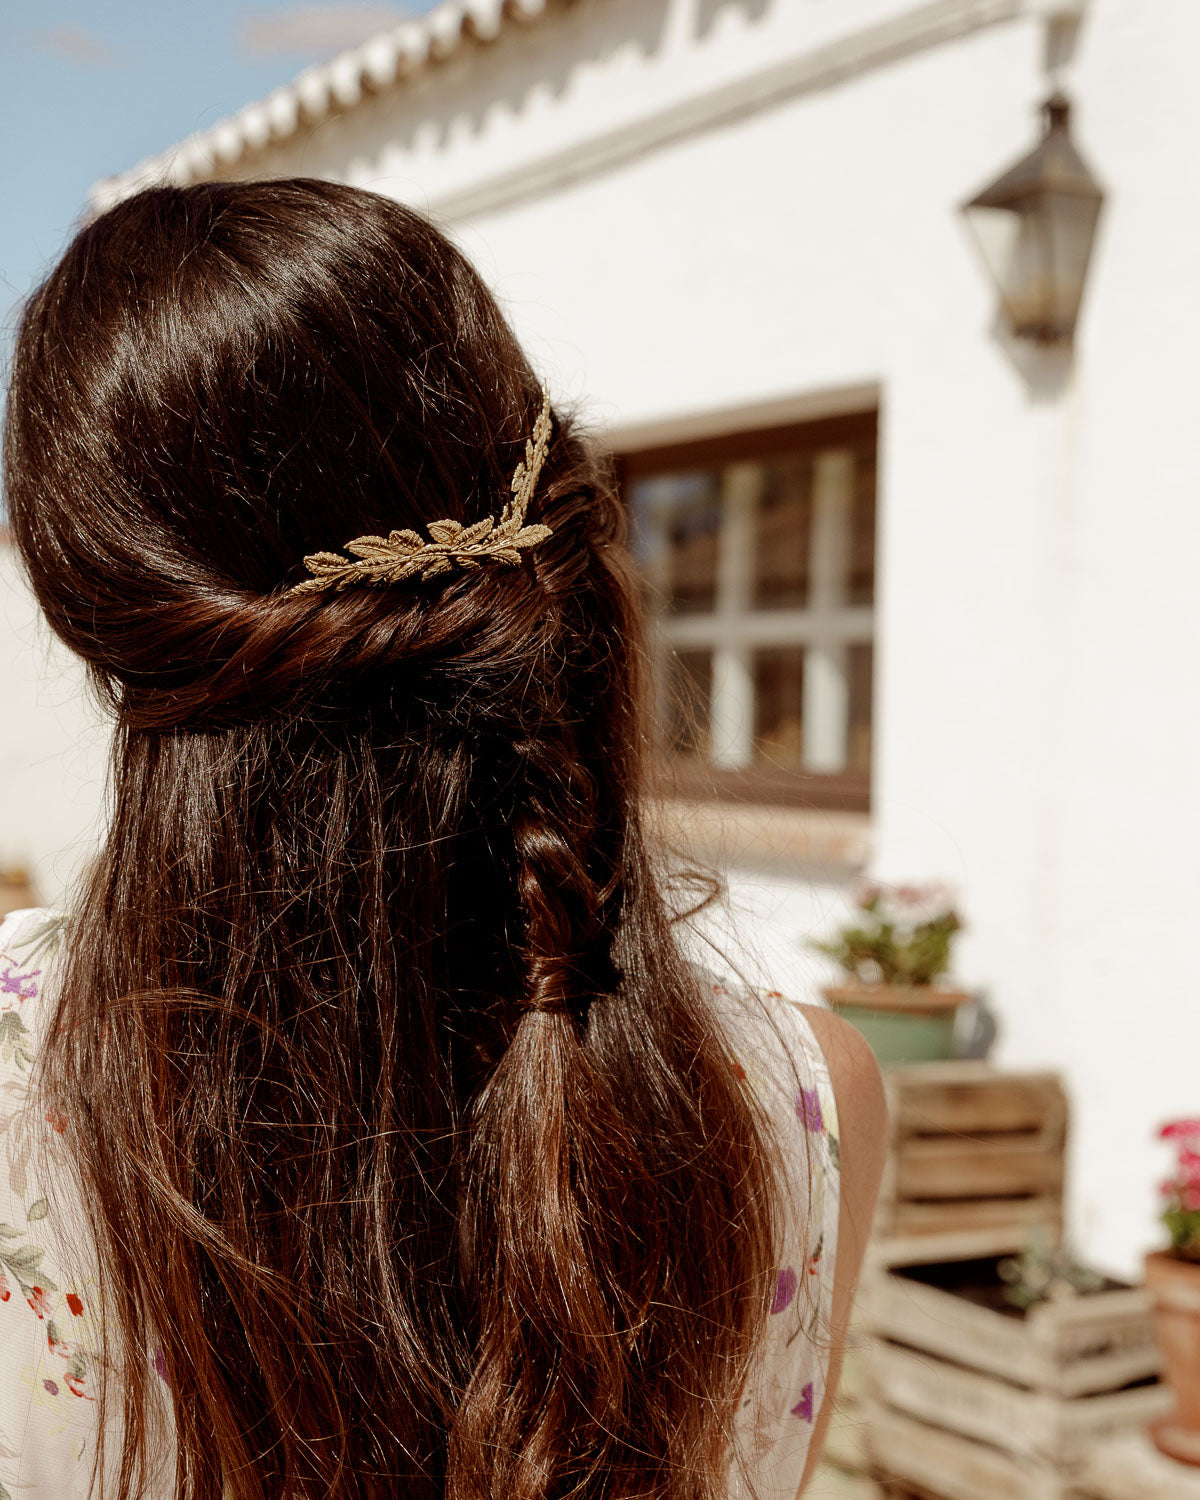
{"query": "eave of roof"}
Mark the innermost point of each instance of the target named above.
(391, 59)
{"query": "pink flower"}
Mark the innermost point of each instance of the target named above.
(1180, 1130)
(1190, 1197)
(75, 1386)
(808, 1109)
(5, 1292)
(804, 1407)
(785, 1289)
(37, 1299)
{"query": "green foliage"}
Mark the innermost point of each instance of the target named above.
(1183, 1225)
(1044, 1272)
(904, 940)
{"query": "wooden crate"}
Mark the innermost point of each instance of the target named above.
(829, 1482)
(1130, 1467)
(945, 1465)
(847, 1440)
(976, 1162)
(1071, 1348)
(1028, 1424)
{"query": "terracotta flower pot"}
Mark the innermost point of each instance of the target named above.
(1174, 1285)
(903, 1023)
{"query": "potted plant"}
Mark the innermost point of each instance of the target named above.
(1173, 1277)
(893, 956)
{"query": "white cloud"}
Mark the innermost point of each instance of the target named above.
(78, 45)
(316, 28)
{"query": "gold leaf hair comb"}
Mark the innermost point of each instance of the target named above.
(404, 554)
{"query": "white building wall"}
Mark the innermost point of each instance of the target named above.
(1038, 735)
(53, 748)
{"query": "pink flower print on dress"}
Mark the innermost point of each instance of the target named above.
(804, 1407)
(37, 1299)
(1180, 1130)
(808, 1109)
(5, 1289)
(785, 1289)
(49, 1385)
(23, 986)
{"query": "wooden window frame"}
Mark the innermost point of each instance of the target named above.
(695, 780)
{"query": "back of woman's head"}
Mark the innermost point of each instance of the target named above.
(414, 1158)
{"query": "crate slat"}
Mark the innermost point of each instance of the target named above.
(829, 1482)
(1088, 1344)
(1130, 1467)
(948, 1465)
(1031, 1424)
(961, 1167)
(972, 1098)
(1003, 1238)
(1015, 1216)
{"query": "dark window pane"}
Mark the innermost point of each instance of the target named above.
(860, 584)
(779, 707)
(687, 707)
(860, 670)
(781, 551)
(676, 522)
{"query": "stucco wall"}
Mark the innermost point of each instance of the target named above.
(53, 748)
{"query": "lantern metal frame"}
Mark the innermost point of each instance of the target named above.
(1039, 260)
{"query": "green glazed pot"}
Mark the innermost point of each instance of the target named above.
(903, 1024)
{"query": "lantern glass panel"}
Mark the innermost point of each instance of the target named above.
(1070, 220)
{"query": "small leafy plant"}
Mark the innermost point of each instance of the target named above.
(903, 937)
(1045, 1272)
(1181, 1191)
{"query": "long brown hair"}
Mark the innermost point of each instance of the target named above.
(415, 1157)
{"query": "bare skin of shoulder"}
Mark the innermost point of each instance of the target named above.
(862, 1120)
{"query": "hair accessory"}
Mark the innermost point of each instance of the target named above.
(404, 554)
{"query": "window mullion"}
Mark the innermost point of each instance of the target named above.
(732, 723)
(826, 668)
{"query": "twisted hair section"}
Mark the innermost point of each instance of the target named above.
(409, 1143)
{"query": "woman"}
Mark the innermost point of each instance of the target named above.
(365, 1090)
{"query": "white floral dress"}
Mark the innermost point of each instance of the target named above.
(48, 1324)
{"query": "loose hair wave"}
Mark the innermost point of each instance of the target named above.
(413, 1153)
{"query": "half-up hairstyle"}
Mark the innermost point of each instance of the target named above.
(415, 1159)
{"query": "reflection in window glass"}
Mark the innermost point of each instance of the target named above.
(783, 535)
(676, 526)
(687, 707)
(779, 707)
(860, 669)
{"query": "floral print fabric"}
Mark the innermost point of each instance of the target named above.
(777, 1056)
(49, 1333)
(48, 1329)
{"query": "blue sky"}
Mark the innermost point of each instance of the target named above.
(88, 87)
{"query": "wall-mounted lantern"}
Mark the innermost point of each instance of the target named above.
(1035, 226)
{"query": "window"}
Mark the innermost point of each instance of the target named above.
(758, 555)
